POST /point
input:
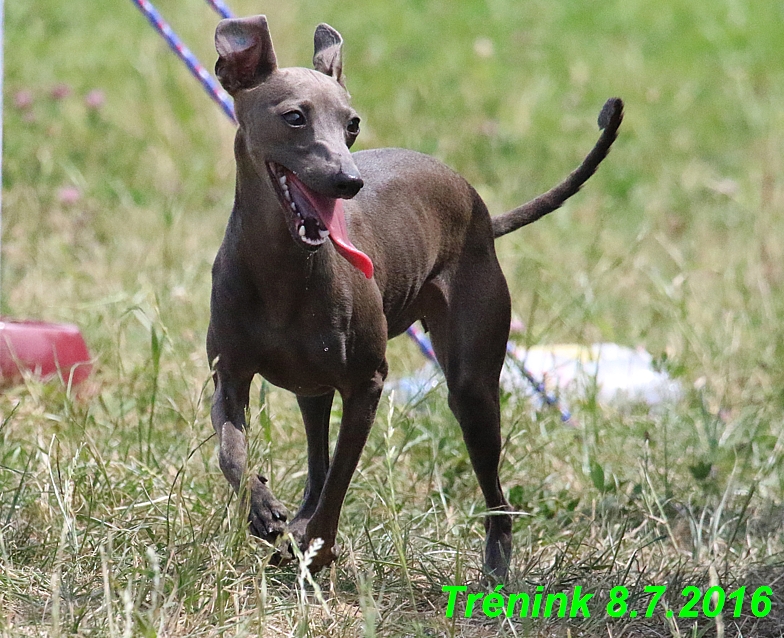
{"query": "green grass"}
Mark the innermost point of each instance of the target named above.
(114, 517)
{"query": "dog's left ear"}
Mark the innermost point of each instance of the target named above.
(328, 52)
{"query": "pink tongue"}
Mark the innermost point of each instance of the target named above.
(335, 221)
(331, 213)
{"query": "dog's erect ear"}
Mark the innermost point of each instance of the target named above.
(328, 52)
(245, 53)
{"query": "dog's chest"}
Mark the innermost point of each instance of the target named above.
(310, 352)
(298, 356)
(305, 334)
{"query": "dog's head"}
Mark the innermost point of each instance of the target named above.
(297, 126)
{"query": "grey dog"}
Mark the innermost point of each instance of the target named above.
(327, 255)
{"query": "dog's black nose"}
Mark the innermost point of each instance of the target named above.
(347, 184)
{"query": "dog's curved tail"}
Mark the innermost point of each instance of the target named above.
(609, 120)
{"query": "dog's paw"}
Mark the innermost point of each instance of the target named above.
(299, 535)
(285, 553)
(498, 548)
(298, 528)
(267, 515)
(323, 558)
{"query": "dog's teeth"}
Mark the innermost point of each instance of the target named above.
(323, 233)
(287, 195)
(310, 242)
(302, 232)
(293, 207)
(282, 180)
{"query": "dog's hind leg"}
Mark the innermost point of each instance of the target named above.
(469, 336)
(267, 515)
(315, 415)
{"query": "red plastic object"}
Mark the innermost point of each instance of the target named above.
(42, 348)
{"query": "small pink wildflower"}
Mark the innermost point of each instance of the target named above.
(23, 99)
(95, 99)
(60, 91)
(69, 195)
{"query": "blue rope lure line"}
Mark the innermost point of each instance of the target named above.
(549, 399)
(422, 340)
(221, 8)
(209, 83)
(216, 92)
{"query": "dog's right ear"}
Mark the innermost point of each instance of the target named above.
(245, 53)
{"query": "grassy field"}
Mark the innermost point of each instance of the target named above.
(118, 179)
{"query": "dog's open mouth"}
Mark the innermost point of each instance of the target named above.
(313, 217)
(302, 204)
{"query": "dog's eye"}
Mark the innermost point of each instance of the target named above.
(294, 118)
(353, 126)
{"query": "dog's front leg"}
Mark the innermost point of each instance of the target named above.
(359, 411)
(267, 515)
(315, 415)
